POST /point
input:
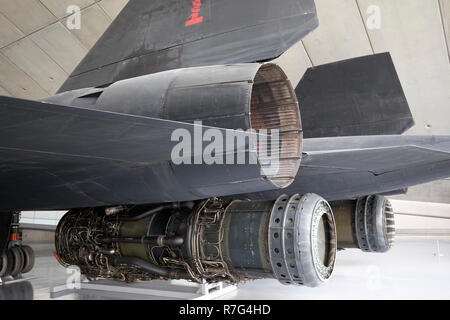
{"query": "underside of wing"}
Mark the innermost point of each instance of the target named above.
(159, 35)
(59, 157)
(350, 167)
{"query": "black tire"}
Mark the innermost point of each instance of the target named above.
(9, 262)
(3, 264)
(17, 266)
(29, 258)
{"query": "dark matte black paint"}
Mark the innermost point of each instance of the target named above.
(350, 167)
(59, 157)
(355, 97)
(111, 165)
(150, 36)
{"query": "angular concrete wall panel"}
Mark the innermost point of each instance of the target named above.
(294, 62)
(411, 30)
(340, 35)
(113, 7)
(59, 7)
(27, 15)
(8, 31)
(94, 22)
(61, 45)
(445, 13)
(3, 92)
(36, 63)
(17, 82)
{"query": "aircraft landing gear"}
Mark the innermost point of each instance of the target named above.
(16, 258)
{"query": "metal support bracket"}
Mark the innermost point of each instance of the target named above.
(16, 279)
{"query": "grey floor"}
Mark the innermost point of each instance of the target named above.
(417, 268)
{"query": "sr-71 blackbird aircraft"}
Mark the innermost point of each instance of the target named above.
(102, 149)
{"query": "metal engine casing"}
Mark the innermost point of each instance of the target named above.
(215, 240)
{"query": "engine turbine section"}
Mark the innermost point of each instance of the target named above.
(366, 223)
(292, 239)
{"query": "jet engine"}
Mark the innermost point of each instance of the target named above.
(366, 223)
(292, 239)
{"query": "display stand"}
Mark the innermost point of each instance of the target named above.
(156, 289)
(10, 279)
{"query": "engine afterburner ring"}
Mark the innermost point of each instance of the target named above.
(302, 240)
(374, 224)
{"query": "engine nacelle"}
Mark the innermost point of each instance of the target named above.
(244, 96)
(292, 239)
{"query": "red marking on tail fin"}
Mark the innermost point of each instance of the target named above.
(195, 17)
